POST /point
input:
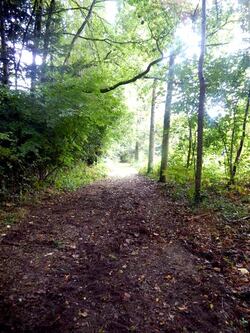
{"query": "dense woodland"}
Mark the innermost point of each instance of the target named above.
(160, 90)
(160, 81)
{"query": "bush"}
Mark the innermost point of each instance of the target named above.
(231, 203)
(72, 178)
(50, 130)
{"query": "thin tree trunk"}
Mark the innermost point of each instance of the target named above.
(193, 153)
(4, 55)
(217, 10)
(198, 174)
(166, 123)
(242, 139)
(15, 72)
(137, 151)
(190, 138)
(15, 63)
(47, 38)
(232, 146)
(37, 34)
(151, 148)
(25, 36)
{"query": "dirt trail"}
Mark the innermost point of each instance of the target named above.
(109, 258)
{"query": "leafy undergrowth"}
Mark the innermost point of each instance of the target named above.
(80, 175)
(231, 203)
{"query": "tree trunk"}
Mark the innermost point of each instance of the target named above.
(137, 146)
(151, 148)
(15, 70)
(166, 123)
(25, 37)
(202, 95)
(217, 10)
(46, 40)
(37, 34)
(190, 138)
(193, 154)
(4, 55)
(242, 139)
(231, 181)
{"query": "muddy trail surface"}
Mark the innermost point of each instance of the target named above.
(114, 256)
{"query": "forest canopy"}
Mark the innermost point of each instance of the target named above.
(166, 81)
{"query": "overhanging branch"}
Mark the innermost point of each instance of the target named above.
(133, 79)
(108, 40)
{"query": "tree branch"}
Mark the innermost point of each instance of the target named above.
(154, 78)
(216, 44)
(108, 40)
(133, 79)
(220, 27)
(58, 11)
(80, 30)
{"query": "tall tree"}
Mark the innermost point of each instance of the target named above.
(38, 9)
(201, 108)
(166, 122)
(47, 35)
(152, 130)
(4, 56)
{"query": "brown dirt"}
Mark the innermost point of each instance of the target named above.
(119, 256)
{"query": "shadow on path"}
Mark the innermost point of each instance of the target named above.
(107, 258)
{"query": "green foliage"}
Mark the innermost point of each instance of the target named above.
(223, 205)
(79, 175)
(230, 203)
(54, 127)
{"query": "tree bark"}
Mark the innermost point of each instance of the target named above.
(166, 123)
(198, 174)
(4, 55)
(152, 130)
(242, 139)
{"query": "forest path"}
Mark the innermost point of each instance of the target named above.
(109, 257)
